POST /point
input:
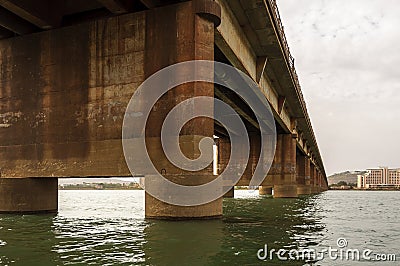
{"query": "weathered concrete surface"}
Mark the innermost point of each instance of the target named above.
(282, 175)
(264, 190)
(175, 34)
(303, 175)
(224, 153)
(303, 190)
(28, 195)
(230, 193)
(63, 94)
(314, 182)
(253, 160)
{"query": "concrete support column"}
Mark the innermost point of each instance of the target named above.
(285, 164)
(230, 193)
(314, 180)
(320, 186)
(255, 149)
(224, 152)
(174, 34)
(324, 184)
(303, 175)
(264, 190)
(28, 195)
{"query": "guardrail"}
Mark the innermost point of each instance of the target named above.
(290, 59)
(286, 50)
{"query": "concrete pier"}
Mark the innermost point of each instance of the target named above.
(230, 193)
(28, 195)
(284, 179)
(303, 175)
(314, 180)
(264, 190)
(169, 41)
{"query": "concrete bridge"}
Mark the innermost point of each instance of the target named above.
(69, 68)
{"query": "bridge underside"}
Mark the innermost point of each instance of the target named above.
(63, 95)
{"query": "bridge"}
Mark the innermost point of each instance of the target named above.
(69, 68)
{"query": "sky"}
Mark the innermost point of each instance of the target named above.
(348, 61)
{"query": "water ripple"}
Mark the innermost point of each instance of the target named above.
(108, 228)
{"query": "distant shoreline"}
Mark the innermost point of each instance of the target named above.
(369, 189)
(131, 188)
(99, 188)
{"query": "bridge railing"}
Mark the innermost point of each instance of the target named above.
(286, 50)
(290, 60)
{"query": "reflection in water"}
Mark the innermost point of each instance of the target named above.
(99, 241)
(280, 223)
(108, 227)
(189, 243)
(27, 238)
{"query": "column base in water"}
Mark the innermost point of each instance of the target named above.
(285, 191)
(28, 195)
(303, 190)
(156, 209)
(264, 190)
(230, 193)
(315, 190)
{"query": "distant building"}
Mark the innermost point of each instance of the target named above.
(382, 177)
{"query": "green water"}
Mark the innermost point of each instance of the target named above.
(108, 228)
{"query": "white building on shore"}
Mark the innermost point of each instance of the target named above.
(382, 177)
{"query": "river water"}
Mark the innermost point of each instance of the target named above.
(108, 228)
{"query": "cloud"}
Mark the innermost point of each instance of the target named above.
(348, 61)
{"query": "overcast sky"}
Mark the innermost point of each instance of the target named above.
(348, 59)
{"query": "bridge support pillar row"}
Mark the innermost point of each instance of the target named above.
(175, 34)
(324, 184)
(321, 182)
(264, 190)
(314, 181)
(303, 175)
(28, 195)
(285, 185)
(224, 153)
(230, 193)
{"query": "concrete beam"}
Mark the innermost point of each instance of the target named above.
(4, 33)
(281, 104)
(239, 110)
(44, 14)
(14, 23)
(151, 3)
(232, 41)
(117, 6)
(261, 28)
(260, 67)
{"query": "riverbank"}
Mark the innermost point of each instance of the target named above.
(100, 186)
(366, 189)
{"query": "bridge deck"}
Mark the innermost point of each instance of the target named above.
(250, 36)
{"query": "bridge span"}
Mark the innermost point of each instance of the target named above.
(69, 68)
